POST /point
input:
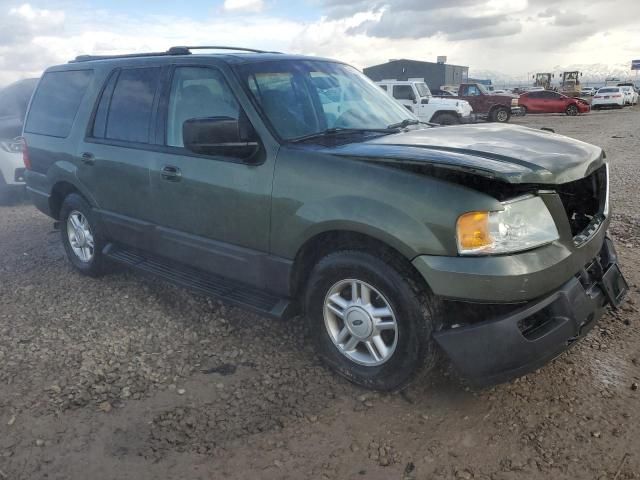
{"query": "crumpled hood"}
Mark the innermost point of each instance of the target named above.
(506, 152)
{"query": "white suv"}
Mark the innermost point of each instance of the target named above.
(416, 96)
(13, 105)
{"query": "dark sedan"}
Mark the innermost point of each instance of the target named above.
(547, 101)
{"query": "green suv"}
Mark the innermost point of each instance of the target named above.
(291, 184)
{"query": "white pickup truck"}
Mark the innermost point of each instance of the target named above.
(416, 96)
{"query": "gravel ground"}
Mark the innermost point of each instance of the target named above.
(126, 377)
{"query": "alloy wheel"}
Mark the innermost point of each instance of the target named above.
(502, 115)
(360, 322)
(80, 236)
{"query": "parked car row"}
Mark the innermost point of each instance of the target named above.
(448, 106)
(471, 101)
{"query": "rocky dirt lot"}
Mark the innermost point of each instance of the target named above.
(126, 377)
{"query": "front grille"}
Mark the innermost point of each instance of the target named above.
(584, 201)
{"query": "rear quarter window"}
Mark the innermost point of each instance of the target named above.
(56, 101)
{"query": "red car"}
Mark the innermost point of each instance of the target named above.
(546, 101)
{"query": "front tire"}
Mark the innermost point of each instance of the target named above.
(370, 321)
(572, 111)
(446, 119)
(81, 236)
(501, 115)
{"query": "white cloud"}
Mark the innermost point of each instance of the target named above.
(51, 37)
(243, 5)
(32, 39)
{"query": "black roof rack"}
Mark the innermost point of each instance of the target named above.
(180, 50)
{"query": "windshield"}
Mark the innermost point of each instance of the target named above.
(423, 90)
(301, 98)
(609, 90)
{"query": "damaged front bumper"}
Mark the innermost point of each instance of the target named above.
(526, 338)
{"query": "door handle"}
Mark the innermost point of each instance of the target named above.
(88, 158)
(171, 173)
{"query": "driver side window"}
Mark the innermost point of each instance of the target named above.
(197, 92)
(403, 92)
(473, 91)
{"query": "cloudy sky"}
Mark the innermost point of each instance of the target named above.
(514, 37)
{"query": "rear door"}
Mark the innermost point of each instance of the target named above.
(116, 156)
(534, 102)
(212, 212)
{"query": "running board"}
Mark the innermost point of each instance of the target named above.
(229, 291)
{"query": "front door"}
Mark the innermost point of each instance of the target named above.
(557, 103)
(406, 96)
(212, 212)
(473, 95)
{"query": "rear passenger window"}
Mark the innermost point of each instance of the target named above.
(56, 102)
(129, 116)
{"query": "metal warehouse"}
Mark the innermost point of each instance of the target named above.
(434, 74)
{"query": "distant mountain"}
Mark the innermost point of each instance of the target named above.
(595, 73)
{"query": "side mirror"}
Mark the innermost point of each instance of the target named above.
(425, 101)
(223, 136)
(415, 101)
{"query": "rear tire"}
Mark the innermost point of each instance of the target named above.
(82, 236)
(446, 119)
(341, 339)
(501, 115)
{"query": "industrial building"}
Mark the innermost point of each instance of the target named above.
(434, 74)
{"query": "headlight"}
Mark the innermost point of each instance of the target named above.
(12, 146)
(524, 223)
(514, 102)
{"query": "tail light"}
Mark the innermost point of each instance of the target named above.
(25, 154)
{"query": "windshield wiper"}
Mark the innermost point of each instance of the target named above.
(340, 130)
(404, 123)
(407, 122)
